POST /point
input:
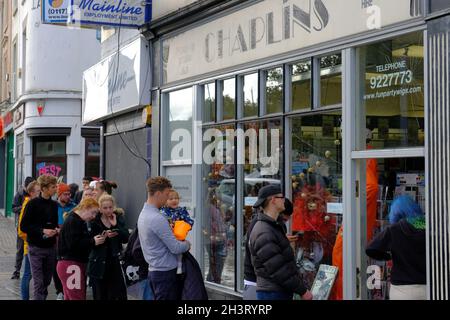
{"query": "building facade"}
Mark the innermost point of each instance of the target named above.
(344, 114)
(46, 66)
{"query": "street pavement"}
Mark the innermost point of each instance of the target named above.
(9, 289)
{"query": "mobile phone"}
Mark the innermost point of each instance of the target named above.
(114, 230)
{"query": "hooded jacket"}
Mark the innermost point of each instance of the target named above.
(273, 257)
(406, 246)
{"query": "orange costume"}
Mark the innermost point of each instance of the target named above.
(371, 202)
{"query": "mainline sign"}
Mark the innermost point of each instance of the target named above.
(93, 13)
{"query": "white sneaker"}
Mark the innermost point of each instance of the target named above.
(60, 296)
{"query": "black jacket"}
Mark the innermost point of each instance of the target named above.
(406, 246)
(194, 285)
(112, 247)
(19, 197)
(74, 242)
(273, 257)
(40, 214)
(249, 271)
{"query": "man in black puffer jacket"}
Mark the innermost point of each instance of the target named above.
(272, 256)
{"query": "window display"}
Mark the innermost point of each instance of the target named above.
(49, 156)
(316, 190)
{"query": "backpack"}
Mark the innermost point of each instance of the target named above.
(134, 266)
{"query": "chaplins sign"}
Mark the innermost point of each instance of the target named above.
(124, 13)
(274, 27)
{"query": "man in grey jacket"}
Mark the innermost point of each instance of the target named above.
(159, 245)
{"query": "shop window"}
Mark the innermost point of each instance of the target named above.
(178, 138)
(274, 90)
(229, 99)
(392, 99)
(330, 80)
(316, 174)
(388, 182)
(251, 95)
(209, 102)
(301, 85)
(49, 157)
(92, 157)
(219, 218)
(263, 166)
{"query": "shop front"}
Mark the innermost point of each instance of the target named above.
(334, 110)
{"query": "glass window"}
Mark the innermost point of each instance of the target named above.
(209, 103)
(49, 156)
(395, 190)
(274, 90)
(180, 125)
(392, 98)
(92, 160)
(330, 80)
(229, 99)
(219, 218)
(251, 95)
(316, 175)
(436, 5)
(263, 166)
(301, 85)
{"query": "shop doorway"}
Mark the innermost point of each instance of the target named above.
(391, 197)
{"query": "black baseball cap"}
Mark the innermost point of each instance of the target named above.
(265, 192)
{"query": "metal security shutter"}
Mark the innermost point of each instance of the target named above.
(438, 158)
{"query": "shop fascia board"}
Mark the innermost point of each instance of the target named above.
(189, 14)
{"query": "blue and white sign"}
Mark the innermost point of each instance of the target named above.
(94, 13)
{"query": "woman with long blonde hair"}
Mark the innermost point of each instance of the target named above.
(104, 269)
(74, 246)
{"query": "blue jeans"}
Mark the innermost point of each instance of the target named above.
(26, 278)
(273, 295)
(147, 292)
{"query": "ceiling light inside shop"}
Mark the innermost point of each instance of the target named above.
(413, 51)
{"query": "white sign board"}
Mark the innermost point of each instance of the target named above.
(164, 7)
(124, 13)
(108, 88)
(273, 27)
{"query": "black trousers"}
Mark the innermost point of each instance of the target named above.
(166, 285)
(19, 254)
(112, 285)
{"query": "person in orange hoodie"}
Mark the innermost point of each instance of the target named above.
(371, 211)
(33, 190)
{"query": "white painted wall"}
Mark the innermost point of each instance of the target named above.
(55, 59)
(57, 56)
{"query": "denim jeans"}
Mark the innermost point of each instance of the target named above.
(26, 278)
(273, 295)
(147, 292)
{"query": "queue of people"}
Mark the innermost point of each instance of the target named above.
(81, 244)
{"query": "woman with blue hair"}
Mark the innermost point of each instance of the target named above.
(403, 242)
